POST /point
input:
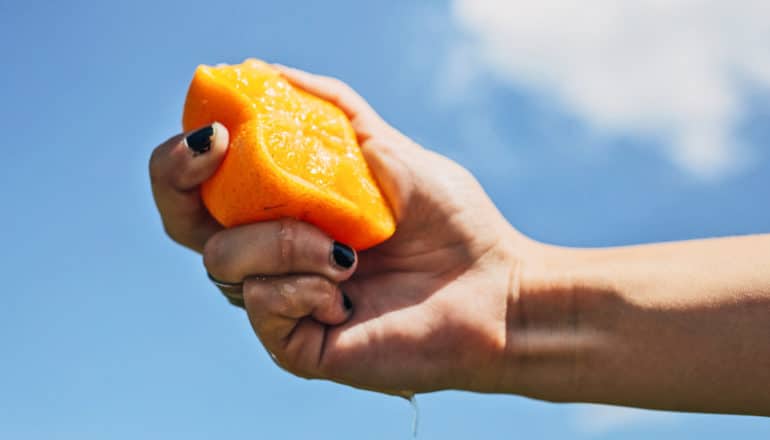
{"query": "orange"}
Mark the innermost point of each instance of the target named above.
(291, 154)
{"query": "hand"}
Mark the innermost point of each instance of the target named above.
(429, 309)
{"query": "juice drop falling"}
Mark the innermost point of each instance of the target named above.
(416, 413)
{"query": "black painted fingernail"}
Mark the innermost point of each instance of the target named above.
(346, 302)
(199, 141)
(343, 255)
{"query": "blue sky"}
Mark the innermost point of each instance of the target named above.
(108, 330)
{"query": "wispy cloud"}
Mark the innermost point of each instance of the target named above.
(670, 70)
(596, 420)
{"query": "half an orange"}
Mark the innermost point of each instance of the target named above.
(291, 154)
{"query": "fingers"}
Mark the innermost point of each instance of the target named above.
(177, 168)
(276, 248)
(290, 315)
(291, 298)
(366, 121)
(291, 273)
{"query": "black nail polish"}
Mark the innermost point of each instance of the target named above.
(199, 141)
(343, 255)
(346, 302)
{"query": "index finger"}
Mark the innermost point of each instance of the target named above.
(177, 168)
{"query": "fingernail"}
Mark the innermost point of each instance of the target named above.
(199, 141)
(346, 302)
(343, 256)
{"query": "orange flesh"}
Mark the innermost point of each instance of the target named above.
(291, 154)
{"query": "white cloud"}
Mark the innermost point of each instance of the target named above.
(671, 70)
(596, 420)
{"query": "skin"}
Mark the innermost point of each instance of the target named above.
(459, 299)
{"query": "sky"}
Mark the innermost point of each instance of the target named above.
(594, 123)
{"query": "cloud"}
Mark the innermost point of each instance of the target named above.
(596, 420)
(674, 71)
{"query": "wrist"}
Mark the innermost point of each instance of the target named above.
(555, 306)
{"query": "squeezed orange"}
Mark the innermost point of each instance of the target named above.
(291, 154)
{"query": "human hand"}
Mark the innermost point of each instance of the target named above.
(428, 309)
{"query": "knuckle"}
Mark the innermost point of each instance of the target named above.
(337, 83)
(215, 255)
(156, 165)
(315, 283)
(285, 300)
(181, 234)
(341, 88)
(323, 287)
(288, 234)
(255, 294)
(293, 362)
(277, 359)
(302, 247)
(296, 297)
(380, 146)
(172, 232)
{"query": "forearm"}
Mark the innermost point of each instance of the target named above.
(681, 326)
